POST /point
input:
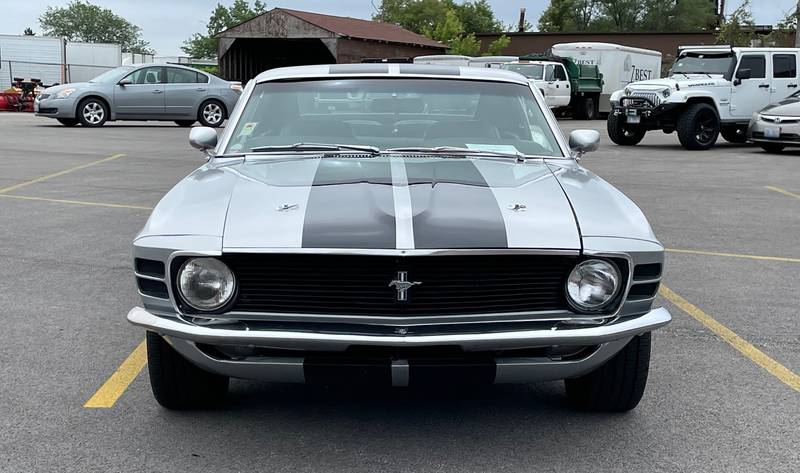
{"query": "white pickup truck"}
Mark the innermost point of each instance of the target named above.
(711, 90)
(547, 76)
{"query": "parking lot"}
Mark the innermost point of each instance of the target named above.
(723, 393)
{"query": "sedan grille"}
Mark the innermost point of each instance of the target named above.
(360, 284)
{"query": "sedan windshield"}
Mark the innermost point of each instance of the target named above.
(396, 113)
(703, 63)
(531, 71)
(112, 75)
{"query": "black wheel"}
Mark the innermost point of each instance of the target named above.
(618, 385)
(587, 108)
(185, 123)
(772, 147)
(698, 127)
(622, 134)
(67, 121)
(92, 112)
(211, 113)
(177, 383)
(734, 134)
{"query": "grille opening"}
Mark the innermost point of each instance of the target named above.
(152, 288)
(643, 291)
(149, 267)
(646, 271)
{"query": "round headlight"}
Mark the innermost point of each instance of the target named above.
(206, 284)
(666, 93)
(592, 284)
(628, 91)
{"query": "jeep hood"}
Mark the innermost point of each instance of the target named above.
(371, 203)
(679, 81)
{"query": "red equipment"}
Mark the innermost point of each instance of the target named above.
(21, 95)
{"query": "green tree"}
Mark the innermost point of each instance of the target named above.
(424, 15)
(478, 17)
(738, 28)
(620, 15)
(451, 32)
(222, 18)
(497, 46)
(677, 15)
(569, 15)
(83, 21)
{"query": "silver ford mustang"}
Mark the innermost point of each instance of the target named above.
(399, 225)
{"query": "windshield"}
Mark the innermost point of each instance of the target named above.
(703, 63)
(112, 75)
(531, 71)
(395, 113)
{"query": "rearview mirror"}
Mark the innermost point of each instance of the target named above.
(583, 141)
(204, 139)
(125, 81)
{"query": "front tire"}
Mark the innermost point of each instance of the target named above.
(618, 385)
(67, 121)
(698, 127)
(773, 148)
(211, 113)
(621, 134)
(177, 383)
(92, 112)
(185, 123)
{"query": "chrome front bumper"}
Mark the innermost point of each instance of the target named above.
(315, 341)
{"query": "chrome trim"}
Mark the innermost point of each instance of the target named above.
(405, 252)
(168, 272)
(151, 278)
(616, 254)
(316, 341)
(593, 310)
(646, 281)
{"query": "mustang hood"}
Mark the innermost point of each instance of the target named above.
(396, 203)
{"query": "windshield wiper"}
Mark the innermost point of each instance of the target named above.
(455, 150)
(323, 147)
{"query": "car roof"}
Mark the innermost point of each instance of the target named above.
(380, 70)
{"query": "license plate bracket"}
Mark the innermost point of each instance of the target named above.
(633, 118)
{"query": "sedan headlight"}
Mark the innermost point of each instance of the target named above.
(592, 285)
(64, 93)
(206, 284)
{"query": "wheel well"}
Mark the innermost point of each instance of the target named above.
(705, 100)
(105, 102)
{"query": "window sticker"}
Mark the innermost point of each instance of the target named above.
(493, 148)
(248, 128)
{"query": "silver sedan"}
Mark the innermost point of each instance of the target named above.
(145, 92)
(777, 126)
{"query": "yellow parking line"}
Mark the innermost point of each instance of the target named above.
(735, 255)
(744, 347)
(783, 191)
(112, 389)
(57, 174)
(76, 202)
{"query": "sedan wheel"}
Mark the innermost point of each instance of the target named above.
(212, 114)
(92, 113)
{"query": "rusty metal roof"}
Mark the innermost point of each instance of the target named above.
(355, 28)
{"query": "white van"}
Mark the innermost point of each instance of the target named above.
(620, 65)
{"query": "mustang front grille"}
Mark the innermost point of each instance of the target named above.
(406, 286)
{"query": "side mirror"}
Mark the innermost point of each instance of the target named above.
(584, 141)
(204, 139)
(125, 81)
(742, 74)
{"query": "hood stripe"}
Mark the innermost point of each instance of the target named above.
(403, 211)
(453, 206)
(350, 205)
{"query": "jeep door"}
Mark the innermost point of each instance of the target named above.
(143, 97)
(784, 76)
(753, 93)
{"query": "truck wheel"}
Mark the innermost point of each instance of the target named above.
(621, 134)
(734, 134)
(587, 108)
(698, 127)
(774, 148)
(616, 386)
(177, 383)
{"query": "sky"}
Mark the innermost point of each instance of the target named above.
(166, 23)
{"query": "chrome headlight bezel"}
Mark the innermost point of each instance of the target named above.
(205, 267)
(611, 269)
(628, 91)
(666, 92)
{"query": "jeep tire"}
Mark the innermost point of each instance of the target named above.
(177, 383)
(617, 385)
(734, 134)
(621, 134)
(698, 127)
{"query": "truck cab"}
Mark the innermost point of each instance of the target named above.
(711, 90)
(549, 77)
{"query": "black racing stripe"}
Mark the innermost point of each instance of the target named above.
(430, 69)
(359, 69)
(453, 206)
(350, 205)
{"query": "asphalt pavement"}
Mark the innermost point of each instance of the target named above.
(720, 395)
